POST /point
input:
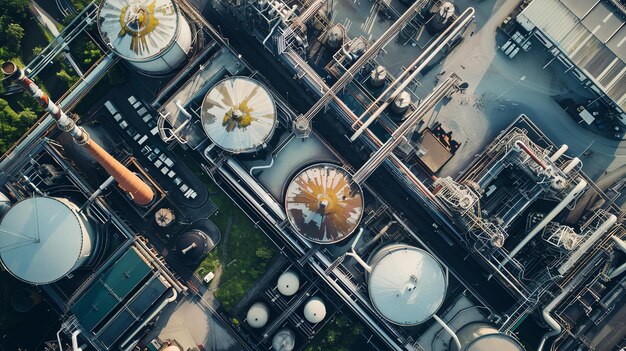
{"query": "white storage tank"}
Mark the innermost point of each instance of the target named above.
(377, 76)
(323, 204)
(407, 285)
(288, 283)
(479, 336)
(239, 115)
(284, 340)
(152, 35)
(43, 239)
(258, 314)
(401, 102)
(315, 310)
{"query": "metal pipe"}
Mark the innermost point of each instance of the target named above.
(587, 244)
(252, 169)
(75, 341)
(621, 244)
(617, 271)
(447, 328)
(149, 318)
(59, 339)
(559, 153)
(464, 19)
(98, 191)
(570, 166)
(376, 237)
(566, 201)
(520, 144)
(192, 246)
(352, 253)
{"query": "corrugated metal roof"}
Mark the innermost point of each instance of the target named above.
(591, 34)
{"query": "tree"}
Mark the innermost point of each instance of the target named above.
(264, 253)
(67, 78)
(14, 36)
(37, 50)
(13, 124)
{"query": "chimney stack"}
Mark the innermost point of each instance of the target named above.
(128, 181)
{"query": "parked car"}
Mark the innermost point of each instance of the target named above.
(207, 278)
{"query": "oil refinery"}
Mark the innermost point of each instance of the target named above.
(413, 175)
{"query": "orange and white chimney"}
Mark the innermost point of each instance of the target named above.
(128, 181)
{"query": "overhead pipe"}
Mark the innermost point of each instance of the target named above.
(549, 217)
(587, 244)
(352, 253)
(380, 233)
(520, 144)
(555, 156)
(97, 193)
(138, 190)
(570, 166)
(447, 328)
(59, 339)
(148, 319)
(620, 244)
(75, 341)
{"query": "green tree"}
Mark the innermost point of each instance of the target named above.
(264, 253)
(37, 50)
(12, 38)
(13, 124)
(67, 78)
(90, 53)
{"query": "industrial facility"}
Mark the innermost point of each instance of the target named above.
(334, 142)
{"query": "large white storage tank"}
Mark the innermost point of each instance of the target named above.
(481, 336)
(43, 239)
(150, 34)
(407, 285)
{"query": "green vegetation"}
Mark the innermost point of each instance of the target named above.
(12, 27)
(339, 335)
(13, 124)
(80, 5)
(244, 256)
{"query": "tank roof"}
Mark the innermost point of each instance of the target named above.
(138, 30)
(238, 114)
(288, 283)
(480, 336)
(407, 285)
(258, 314)
(315, 310)
(284, 340)
(323, 204)
(41, 240)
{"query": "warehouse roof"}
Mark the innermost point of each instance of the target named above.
(591, 33)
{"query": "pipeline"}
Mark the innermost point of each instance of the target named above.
(520, 144)
(447, 328)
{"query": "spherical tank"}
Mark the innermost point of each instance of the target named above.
(150, 34)
(407, 285)
(258, 314)
(315, 310)
(49, 238)
(481, 336)
(288, 283)
(239, 115)
(284, 340)
(323, 204)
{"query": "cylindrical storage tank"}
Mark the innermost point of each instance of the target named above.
(377, 77)
(54, 238)
(258, 314)
(288, 283)
(5, 204)
(239, 115)
(481, 336)
(284, 340)
(151, 35)
(407, 285)
(442, 17)
(315, 310)
(335, 36)
(193, 246)
(323, 204)
(401, 102)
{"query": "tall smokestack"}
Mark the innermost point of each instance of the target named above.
(141, 193)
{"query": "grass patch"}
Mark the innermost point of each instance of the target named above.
(46, 33)
(80, 5)
(244, 257)
(339, 335)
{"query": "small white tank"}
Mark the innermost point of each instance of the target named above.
(315, 310)
(288, 283)
(401, 102)
(377, 77)
(284, 340)
(258, 314)
(335, 36)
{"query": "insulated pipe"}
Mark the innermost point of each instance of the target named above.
(587, 244)
(520, 144)
(98, 191)
(128, 181)
(188, 248)
(619, 243)
(549, 217)
(376, 237)
(75, 341)
(455, 27)
(573, 163)
(558, 153)
(617, 271)
(149, 318)
(352, 253)
(59, 339)
(447, 328)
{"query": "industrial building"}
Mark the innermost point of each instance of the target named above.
(520, 251)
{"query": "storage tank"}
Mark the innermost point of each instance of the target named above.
(407, 285)
(288, 283)
(335, 36)
(151, 35)
(5, 204)
(442, 17)
(401, 102)
(164, 217)
(258, 314)
(323, 204)
(481, 336)
(239, 115)
(44, 239)
(284, 340)
(315, 310)
(193, 246)
(377, 76)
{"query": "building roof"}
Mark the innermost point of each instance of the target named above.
(323, 204)
(138, 29)
(436, 154)
(238, 114)
(41, 239)
(591, 33)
